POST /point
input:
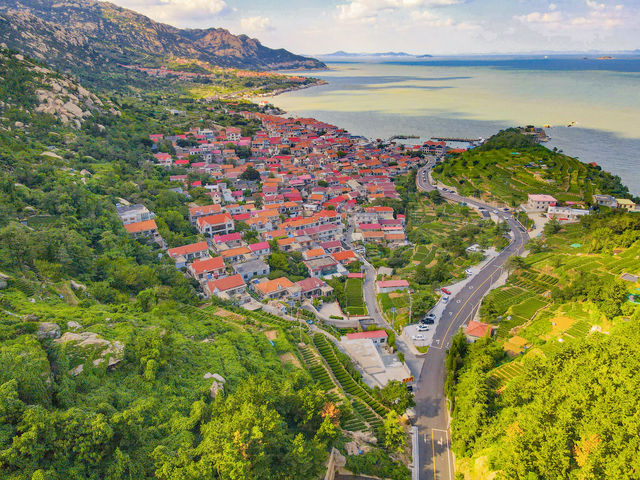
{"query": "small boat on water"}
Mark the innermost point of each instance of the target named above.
(572, 124)
(547, 126)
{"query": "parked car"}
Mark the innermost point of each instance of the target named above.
(445, 298)
(445, 290)
(468, 271)
(418, 337)
(423, 328)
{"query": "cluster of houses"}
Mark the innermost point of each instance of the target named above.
(569, 212)
(302, 185)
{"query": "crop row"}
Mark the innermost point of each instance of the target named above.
(346, 380)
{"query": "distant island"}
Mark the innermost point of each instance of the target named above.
(341, 53)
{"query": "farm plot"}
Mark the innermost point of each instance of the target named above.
(347, 382)
(353, 296)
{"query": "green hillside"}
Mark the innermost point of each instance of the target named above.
(108, 356)
(510, 165)
(547, 396)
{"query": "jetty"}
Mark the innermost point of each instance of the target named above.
(456, 139)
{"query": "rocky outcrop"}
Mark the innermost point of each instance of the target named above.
(110, 351)
(48, 330)
(50, 93)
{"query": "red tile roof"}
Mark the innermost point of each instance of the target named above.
(371, 334)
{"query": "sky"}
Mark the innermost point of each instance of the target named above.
(438, 27)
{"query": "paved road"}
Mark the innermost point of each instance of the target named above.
(436, 459)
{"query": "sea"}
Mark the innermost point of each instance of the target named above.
(592, 106)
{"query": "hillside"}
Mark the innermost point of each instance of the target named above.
(111, 364)
(547, 397)
(88, 34)
(510, 165)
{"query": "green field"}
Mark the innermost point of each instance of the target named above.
(353, 294)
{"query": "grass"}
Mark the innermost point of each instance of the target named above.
(353, 295)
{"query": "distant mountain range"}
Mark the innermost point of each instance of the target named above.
(343, 54)
(76, 34)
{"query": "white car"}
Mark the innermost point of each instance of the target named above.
(423, 328)
(418, 337)
(445, 299)
(468, 271)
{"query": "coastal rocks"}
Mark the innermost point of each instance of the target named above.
(110, 351)
(48, 330)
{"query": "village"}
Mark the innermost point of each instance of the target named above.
(291, 209)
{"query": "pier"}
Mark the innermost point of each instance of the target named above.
(454, 139)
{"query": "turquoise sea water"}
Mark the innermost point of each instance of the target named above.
(478, 97)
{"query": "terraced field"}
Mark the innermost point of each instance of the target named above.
(353, 293)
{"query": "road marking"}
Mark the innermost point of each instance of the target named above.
(433, 454)
(463, 305)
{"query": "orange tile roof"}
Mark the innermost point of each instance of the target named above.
(186, 249)
(226, 283)
(144, 226)
(232, 252)
(207, 265)
(214, 219)
(270, 286)
(345, 255)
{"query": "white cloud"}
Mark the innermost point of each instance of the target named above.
(256, 24)
(366, 9)
(597, 18)
(177, 11)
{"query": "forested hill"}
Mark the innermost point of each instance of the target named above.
(510, 165)
(554, 393)
(111, 365)
(90, 35)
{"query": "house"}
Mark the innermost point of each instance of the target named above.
(476, 330)
(207, 268)
(626, 204)
(226, 287)
(379, 337)
(238, 254)
(566, 214)
(278, 288)
(387, 286)
(313, 253)
(606, 201)
(321, 267)
(134, 213)
(212, 225)
(260, 249)
(187, 253)
(313, 288)
(204, 211)
(540, 203)
(345, 257)
(230, 240)
(250, 269)
(144, 229)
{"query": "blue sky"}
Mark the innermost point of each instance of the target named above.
(414, 26)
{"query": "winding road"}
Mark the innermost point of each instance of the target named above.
(436, 459)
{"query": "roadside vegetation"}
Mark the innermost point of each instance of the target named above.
(565, 339)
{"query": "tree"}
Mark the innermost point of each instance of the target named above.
(394, 436)
(396, 396)
(516, 263)
(250, 174)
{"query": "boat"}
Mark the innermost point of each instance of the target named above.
(547, 126)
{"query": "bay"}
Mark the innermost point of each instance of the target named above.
(477, 97)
